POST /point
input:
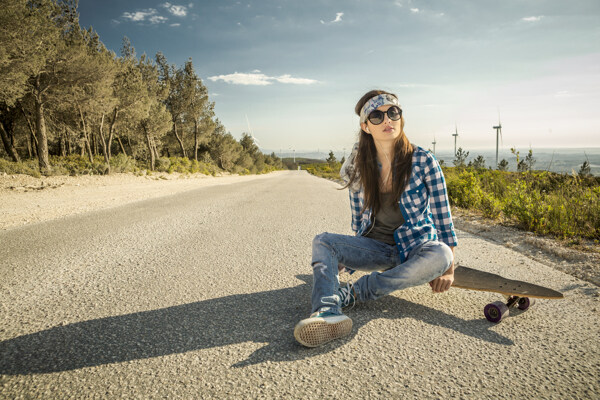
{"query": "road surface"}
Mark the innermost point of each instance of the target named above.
(196, 296)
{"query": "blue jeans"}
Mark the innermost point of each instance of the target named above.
(424, 263)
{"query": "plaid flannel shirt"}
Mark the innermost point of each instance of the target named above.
(424, 205)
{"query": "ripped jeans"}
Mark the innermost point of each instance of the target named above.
(424, 263)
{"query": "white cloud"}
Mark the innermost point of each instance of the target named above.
(157, 19)
(239, 78)
(414, 10)
(296, 81)
(532, 19)
(150, 15)
(139, 16)
(175, 25)
(178, 11)
(256, 78)
(338, 18)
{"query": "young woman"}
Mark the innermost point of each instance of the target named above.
(401, 218)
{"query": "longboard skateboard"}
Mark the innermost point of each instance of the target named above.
(517, 293)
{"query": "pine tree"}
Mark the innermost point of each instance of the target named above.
(529, 160)
(331, 160)
(42, 64)
(89, 75)
(26, 41)
(479, 162)
(503, 165)
(198, 110)
(585, 169)
(8, 118)
(129, 91)
(460, 158)
(223, 148)
(179, 96)
(156, 119)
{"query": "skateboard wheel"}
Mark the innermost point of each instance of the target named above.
(496, 311)
(525, 303)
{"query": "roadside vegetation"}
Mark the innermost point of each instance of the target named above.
(68, 105)
(565, 206)
(330, 169)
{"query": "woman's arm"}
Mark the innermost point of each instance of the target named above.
(439, 202)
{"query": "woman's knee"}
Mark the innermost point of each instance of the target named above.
(321, 239)
(321, 245)
(437, 254)
(445, 254)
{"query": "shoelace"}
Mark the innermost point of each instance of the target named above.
(347, 295)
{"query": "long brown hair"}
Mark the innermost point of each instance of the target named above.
(366, 170)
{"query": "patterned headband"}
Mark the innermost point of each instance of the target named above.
(376, 102)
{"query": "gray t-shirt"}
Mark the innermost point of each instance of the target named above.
(387, 220)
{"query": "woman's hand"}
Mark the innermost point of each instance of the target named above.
(443, 283)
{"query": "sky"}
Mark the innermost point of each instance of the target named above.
(292, 71)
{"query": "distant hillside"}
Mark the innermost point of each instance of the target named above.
(290, 164)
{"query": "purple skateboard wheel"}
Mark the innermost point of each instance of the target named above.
(525, 303)
(496, 311)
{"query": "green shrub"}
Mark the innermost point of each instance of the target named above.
(27, 167)
(179, 164)
(121, 163)
(490, 206)
(464, 190)
(527, 206)
(162, 164)
(185, 166)
(324, 170)
(77, 165)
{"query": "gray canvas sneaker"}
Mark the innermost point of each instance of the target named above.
(322, 327)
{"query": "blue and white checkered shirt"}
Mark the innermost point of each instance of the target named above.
(424, 204)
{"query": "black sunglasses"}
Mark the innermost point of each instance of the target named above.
(376, 117)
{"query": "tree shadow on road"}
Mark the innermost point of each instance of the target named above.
(265, 317)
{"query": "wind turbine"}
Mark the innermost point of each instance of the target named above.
(455, 134)
(433, 143)
(498, 129)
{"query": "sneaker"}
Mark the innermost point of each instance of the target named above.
(347, 295)
(322, 327)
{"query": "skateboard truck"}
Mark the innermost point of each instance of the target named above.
(497, 311)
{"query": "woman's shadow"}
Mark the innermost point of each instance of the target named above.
(265, 317)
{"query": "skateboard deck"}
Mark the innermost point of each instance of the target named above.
(474, 279)
(519, 294)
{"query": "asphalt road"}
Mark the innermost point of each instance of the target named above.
(196, 296)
